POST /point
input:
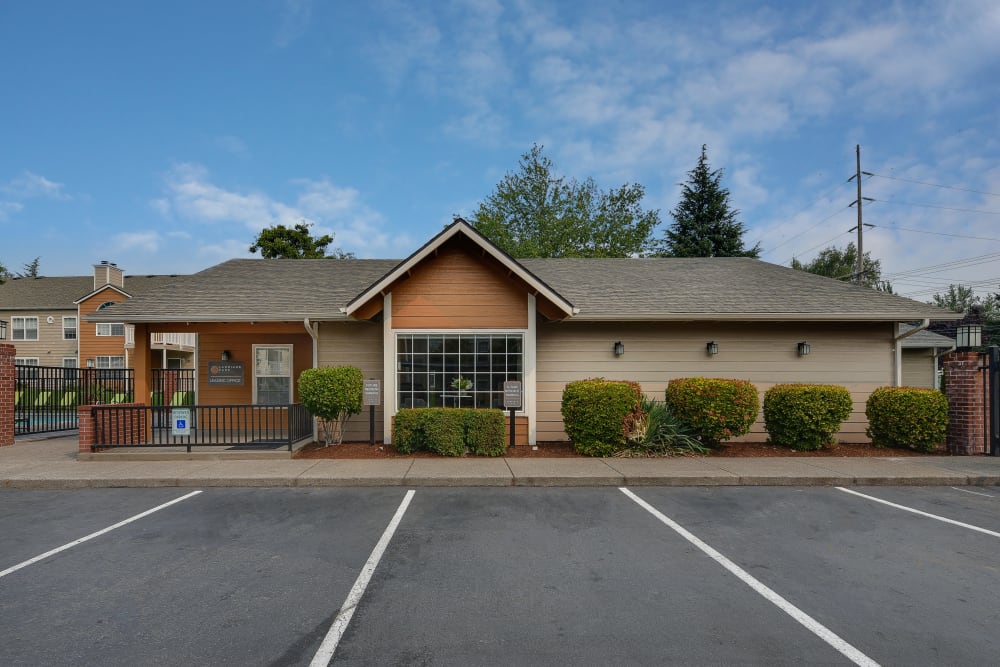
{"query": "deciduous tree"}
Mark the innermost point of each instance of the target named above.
(280, 242)
(536, 213)
(840, 264)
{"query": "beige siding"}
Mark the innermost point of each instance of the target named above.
(918, 368)
(355, 344)
(858, 357)
(50, 348)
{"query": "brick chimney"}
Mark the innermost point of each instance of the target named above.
(108, 273)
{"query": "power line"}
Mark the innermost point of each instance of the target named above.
(789, 240)
(832, 215)
(921, 231)
(945, 266)
(943, 208)
(822, 244)
(935, 185)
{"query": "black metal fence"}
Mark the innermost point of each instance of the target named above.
(238, 427)
(45, 397)
(172, 387)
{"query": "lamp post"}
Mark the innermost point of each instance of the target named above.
(968, 336)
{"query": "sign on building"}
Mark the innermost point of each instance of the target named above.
(225, 373)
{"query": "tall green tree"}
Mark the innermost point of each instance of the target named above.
(962, 299)
(280, 242)
(704, 224)
(4, 274)
(536, 213)
(840, 264)
(30, 270)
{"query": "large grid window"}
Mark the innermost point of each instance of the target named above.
(24, 328)
(272, 375)
(456, 370)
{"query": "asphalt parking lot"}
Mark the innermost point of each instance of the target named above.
(650, 575)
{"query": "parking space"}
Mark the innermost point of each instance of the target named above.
(499, 576)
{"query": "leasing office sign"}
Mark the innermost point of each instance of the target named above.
(225, 373)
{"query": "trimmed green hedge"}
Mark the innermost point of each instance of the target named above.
(715, 409)
(449, 431)
(805, 416)
(907, 417)
(597, 414)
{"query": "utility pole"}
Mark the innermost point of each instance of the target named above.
(860, 265)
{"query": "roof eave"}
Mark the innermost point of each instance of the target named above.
(760, 317)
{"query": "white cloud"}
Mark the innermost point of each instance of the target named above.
(330, 208)
(142, 241)
(161, 206)
(30, 186)
(294, 21)
(233, 145)
(8, 207)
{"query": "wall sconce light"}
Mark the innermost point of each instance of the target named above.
(619, 348)
(803, 348)
(968, 336)
(3, 329)
(225, 355)
(712, 348)
(90, 363)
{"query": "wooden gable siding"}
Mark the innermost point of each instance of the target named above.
(92, 345)
(856, 356)
(457, 289)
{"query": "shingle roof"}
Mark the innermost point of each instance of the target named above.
(737, 288)
(60, 292)
(255, 290)
(925, 338)
(602, 289)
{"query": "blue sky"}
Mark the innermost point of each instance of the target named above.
(164, 136)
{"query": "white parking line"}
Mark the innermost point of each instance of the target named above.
(811, 624)
(975, 493)
(329, 646)
(72, 544)
(926, 514)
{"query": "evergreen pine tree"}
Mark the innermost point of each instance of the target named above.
(704, 225)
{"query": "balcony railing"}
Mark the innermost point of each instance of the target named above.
(162, 340)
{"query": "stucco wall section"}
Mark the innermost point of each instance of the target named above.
(856, 356)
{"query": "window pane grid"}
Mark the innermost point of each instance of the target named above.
(456, 370)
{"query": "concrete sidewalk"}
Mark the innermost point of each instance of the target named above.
(53, 464)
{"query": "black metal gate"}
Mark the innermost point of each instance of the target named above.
(45, 397)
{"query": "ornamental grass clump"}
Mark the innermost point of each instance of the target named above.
(715, 409)
(598, 413)
(655, 431)
(805, 416)
(907, 417)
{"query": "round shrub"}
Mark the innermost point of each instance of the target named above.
(595, 413)
(805, 416)
(715, 409)
(907, 417)
(333, 394)
(407, 431)
(484, 432)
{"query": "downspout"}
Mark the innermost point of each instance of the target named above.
(899, 348)
(313, 330)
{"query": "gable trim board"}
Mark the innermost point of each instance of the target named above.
(663, 310)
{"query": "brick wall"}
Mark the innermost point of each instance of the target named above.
(964, 384)
(8, 382)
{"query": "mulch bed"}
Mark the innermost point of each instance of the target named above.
(362, 450)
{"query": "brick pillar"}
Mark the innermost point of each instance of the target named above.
(85, 422)
(964, 385)
(8, 382)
